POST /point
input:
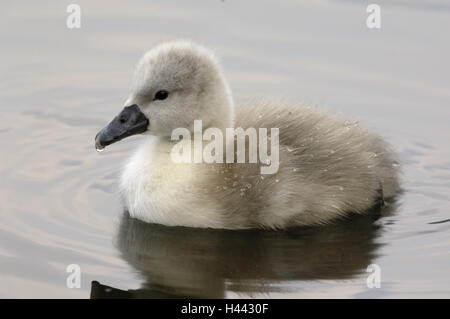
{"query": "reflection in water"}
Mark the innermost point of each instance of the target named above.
(205, 263)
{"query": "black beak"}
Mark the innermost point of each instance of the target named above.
(129, 122)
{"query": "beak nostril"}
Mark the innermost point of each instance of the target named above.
(123, 119)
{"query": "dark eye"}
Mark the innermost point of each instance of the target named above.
(161, 95)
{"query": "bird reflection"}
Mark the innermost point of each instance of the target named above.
(182, 262)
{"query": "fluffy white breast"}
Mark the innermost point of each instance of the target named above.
(157, 190)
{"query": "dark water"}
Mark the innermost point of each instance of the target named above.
(58, 197)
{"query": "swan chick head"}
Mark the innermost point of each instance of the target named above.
(179, 82)
(173, 85)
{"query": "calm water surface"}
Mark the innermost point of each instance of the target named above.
(58, 197)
